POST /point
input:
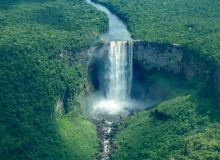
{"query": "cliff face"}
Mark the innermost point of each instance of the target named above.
(70, 100)
(178, 60)
(170, 58)
(157, 56)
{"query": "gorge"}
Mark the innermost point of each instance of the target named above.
(116, 79)
(123, 94)
(109, 79)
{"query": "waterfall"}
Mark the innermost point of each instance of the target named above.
(119, 70)
(112, 100)
(117, 81)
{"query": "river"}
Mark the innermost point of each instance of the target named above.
(117, 29)
(118, 36)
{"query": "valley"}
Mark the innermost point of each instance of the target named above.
(109, 79)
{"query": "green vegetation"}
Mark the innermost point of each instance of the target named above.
(193, 23)
(35, 72)
(186, 126)
(33, 35)
(175, 129)
(50, 26)
(79, 138)
(167, 85)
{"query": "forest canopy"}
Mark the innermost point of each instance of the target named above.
(33, 34)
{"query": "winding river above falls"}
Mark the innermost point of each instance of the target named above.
(117, 29)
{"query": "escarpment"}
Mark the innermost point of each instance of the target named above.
(178, 60)
(167, 58)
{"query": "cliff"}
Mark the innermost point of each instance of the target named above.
(169, 58)
(181, 61)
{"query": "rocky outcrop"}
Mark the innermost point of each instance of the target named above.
(59, 109)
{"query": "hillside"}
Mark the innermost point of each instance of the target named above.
(33, 35)
(185, 126)
(193, 23)
(180, 128)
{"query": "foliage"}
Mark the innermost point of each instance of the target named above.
(160, 115)
(186, 135)
(193, 23)
(185, 127)
(33, 74)
(78, 137)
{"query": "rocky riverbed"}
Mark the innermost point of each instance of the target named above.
(105, 131)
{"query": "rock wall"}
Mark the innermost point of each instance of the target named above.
(178, 60)
(67, 101)
(158, 56)
(171, 58)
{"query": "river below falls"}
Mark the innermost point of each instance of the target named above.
(105, 130)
